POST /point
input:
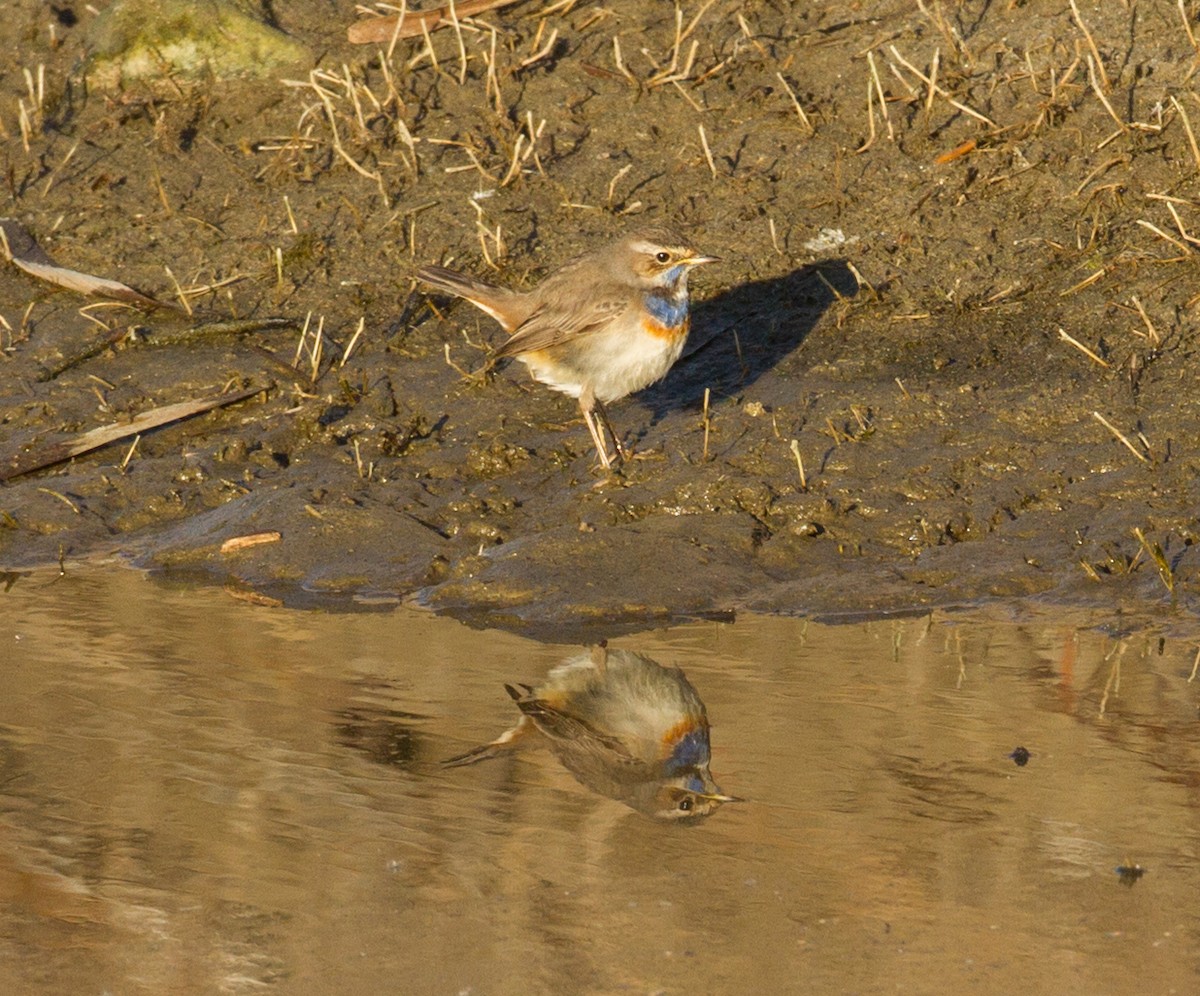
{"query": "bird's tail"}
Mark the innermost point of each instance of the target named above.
(499, 302)
(505, 742)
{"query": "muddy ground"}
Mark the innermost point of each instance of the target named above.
(892, 298)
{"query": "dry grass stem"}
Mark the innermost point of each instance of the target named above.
(620, 62)
(796, 104)
(179, 292)
(428, 50)
(870, 121)
(493, 78)
(612, 184)
(1187, 27)
(1183, 247)
(749, 35)
(1099, 170)
(942, 93)
(938, 20)
(1155, 552)
(1062, 334)
(54, 173)
(129, 453)
(541, 53)
(462, 48)
(1179, 224)
(1151, 332)
(1103, 99)
(686, 96)
(712, 167)
(1091, 45)
(1187, 127)
(26, 125)
(794, 446)
(466, 375)
(931, 87)
(707, 426)
(882, 99)
(291, 217)
(362, 324)
(1087, 281)
(1120, 436)
(396, 35)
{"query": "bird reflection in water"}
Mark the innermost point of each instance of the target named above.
(624, 726)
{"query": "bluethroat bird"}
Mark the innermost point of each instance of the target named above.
(624, 726)
(600, 327)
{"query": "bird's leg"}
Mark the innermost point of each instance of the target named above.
(599, 655)
(611, 433)
(588, 404)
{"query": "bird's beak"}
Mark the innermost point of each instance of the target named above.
(697, 260)
(718, 797)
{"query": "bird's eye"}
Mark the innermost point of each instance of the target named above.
(663, 256)
(685, 805)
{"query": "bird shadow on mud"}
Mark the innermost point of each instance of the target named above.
(744, 332)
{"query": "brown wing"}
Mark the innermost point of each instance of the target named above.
(560, 725)
(555, 323)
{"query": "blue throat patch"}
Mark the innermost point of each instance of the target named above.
(691, 751)
(669, 312)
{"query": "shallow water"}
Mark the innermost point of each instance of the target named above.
(203, 795)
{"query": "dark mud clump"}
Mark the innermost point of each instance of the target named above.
(951, 353)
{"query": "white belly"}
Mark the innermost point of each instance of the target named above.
(615, 365)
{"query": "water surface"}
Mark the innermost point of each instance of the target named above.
(202, 795)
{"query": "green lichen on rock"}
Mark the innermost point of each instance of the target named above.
(189, 39)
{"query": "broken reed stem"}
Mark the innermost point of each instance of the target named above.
(1120, 436)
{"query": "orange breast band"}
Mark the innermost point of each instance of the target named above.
(661, 331)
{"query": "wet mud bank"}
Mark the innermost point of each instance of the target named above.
(950, 354)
